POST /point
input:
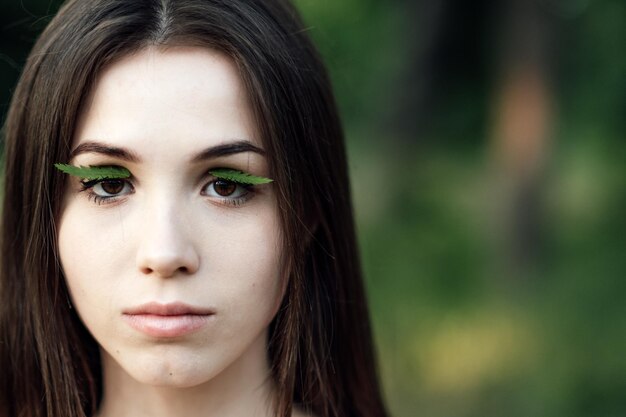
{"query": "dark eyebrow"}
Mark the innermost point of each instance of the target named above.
(130, 156)
(95, 147)
(227, 149)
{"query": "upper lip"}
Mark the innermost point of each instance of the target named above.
(169, 309)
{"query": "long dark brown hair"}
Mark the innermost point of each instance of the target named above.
(320, 341)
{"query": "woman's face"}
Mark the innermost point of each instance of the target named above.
(175, 274)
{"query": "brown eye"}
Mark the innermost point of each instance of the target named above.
(107, 189)
(227, 192)
(224, 188)
(112, 186)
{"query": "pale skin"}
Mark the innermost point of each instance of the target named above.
(165, 235)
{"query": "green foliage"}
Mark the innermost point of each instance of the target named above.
(239, 177)
(93, 173)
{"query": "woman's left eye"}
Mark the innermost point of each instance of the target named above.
(228, 191)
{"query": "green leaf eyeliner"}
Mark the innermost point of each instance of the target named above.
(229, 181)
(93, 172)
(239, 177)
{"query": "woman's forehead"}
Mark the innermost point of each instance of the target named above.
(190, 98)
(184, 67)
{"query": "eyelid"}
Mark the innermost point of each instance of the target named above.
(91, 183)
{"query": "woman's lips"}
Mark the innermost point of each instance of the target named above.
(167, 320)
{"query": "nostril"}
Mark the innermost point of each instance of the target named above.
(168, 264)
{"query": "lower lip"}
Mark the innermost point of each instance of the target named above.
(166, 326)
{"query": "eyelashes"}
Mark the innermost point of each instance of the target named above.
(226, 186)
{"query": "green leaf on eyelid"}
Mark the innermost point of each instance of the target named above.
(238, 177)
(93, 173)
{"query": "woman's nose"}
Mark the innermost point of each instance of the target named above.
(166, 248)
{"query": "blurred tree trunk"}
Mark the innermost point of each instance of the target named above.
(458, 48)
(521, 132)
(445, 53)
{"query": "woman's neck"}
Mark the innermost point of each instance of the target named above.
(243, 389)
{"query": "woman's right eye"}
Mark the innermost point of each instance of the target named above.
(107, 190)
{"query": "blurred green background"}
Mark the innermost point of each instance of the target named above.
(487, 153)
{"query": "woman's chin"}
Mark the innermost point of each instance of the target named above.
(169, 376)
(175, 371)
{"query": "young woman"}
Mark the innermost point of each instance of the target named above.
(177, 232)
